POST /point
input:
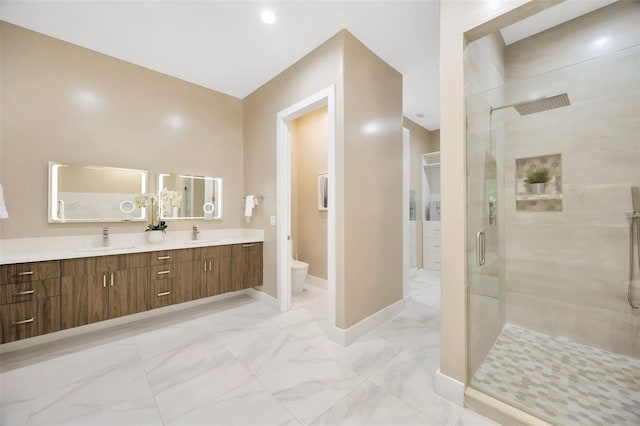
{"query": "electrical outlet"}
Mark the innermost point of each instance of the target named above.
(272, 220)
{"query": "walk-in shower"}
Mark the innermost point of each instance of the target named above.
(553, 327)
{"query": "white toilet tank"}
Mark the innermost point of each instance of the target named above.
(299, 272)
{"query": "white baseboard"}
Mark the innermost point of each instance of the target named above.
(317, 282)
(353, 333)
(264, 298)
(111, 323)
(449, 388)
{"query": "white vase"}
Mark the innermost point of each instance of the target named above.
(537, 188)
(155, 237)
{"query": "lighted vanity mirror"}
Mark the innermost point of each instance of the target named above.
(82, 193)
(200, 197)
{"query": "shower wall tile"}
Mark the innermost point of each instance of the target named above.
(606, 30)
(612, 330)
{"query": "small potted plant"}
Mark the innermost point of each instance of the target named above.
(537, 180)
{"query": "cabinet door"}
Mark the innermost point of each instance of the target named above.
(252, 265)
(28, 319)
(84, 299)
(128, 292)
(188, 280)
(222, 267)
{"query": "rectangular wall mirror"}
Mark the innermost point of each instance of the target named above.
(201, 196)
(83, 193)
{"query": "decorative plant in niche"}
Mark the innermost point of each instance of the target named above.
(538, 176)
(537, 180)
(153, 200)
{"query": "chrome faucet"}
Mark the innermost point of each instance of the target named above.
(105, 236)
(194, 232)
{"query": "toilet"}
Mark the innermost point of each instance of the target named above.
(299, 272)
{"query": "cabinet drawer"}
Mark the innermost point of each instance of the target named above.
(162, 257)
(89, 266)
(22, 292)
(431, 229)
(161, 293)
(162, 272)
(213, 252)
(28, 319)
(186, 255)
(27, 272)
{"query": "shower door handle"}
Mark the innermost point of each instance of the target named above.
(480, 246)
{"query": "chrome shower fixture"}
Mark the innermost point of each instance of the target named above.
(538, 105)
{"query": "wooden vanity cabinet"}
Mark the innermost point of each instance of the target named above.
(247, 266)
(29, 300)
(99, 288)
(161, 278)
(41, 297)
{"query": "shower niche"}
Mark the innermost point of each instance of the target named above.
(548, 196)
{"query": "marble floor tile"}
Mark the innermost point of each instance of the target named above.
(104, 385)
(184, 384)
(365, 356)
(235, 362)
(410, 377)
(268, 351)
(310, 383)
(250, 404)
(369, 405)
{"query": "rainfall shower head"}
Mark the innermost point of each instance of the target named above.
(538, 105)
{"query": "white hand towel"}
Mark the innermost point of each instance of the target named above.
(249, 204)
(3, 207)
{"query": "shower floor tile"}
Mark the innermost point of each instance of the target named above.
(561, 381)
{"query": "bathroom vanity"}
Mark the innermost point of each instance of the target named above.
(41, 297)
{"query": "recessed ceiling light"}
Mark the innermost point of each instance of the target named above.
(268, 17)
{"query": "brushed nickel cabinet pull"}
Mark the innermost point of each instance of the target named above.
(209, 266)
(104, 280)
(248, 245)
(163, 272)
(164, 257)
(111, 280)
(166, 293)
(205, 266)
(21, 274)
(27, 321)
(23, 293)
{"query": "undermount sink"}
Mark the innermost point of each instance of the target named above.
(88, 250)
(200, 241)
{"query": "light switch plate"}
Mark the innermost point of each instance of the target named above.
(272, 220)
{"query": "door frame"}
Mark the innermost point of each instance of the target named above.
(325, 97)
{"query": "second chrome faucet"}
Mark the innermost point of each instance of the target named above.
(194, 232)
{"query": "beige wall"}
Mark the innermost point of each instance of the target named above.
(368, 174)
(318, 70)
(309, 159)
(580, 291)
(421, 141)
(48, 115)
(372, 183)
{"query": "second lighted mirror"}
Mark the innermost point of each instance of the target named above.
(200, 197)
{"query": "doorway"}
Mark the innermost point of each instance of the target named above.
(323, 98)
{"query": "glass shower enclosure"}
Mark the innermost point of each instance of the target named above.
(553, 270)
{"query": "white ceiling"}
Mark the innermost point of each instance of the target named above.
(223, 45)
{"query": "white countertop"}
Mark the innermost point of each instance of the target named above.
(20, 250)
